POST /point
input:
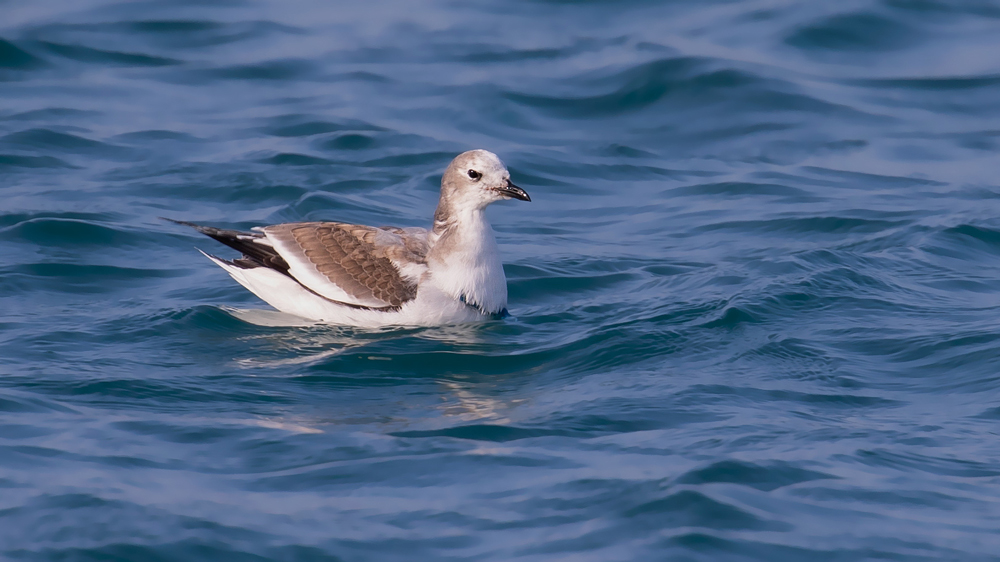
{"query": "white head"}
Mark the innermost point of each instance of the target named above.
(474, 179)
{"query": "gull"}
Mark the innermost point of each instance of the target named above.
(349, 274)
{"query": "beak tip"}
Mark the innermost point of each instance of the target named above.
(516, 192)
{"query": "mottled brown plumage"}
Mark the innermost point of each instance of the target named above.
(358, 259)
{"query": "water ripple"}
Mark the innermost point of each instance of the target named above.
(754, 298)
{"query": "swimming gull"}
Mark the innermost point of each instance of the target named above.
(358, 275)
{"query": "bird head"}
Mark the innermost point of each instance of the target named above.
(476, 178)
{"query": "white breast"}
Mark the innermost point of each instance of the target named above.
(471, 267)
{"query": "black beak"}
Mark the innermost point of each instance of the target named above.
(514, 192)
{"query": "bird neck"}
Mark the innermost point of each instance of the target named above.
(461, 234)
(464, 261)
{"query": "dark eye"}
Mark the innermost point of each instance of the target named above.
(475, 175)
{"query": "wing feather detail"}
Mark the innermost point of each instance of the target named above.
(361, 265)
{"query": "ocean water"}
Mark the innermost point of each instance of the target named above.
(755, 300)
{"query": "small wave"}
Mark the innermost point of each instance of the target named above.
(726, 393)
(272, 71)
(77, 278)
(486, 53)
(744, 189)
(767, 477)
(689, 508)
(291, 159)
(14, 401)
(691, 83)
(942, 466)
(815, 225)
(13, 57)
(12, 161)
(68, 230)
(934, 84)
(857, 32)
(66, 143)
(988, 236)
(933, 10)
(351, 141)
(641, 87)
(157, 135)
(173, 33)
(60, 114)
(81, 53)
(295, 126)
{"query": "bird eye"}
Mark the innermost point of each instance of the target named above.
(475, 175)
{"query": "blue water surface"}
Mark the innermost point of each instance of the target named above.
(755, 300)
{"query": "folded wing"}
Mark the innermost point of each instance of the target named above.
(357, 265)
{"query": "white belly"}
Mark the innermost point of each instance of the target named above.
(431, 307)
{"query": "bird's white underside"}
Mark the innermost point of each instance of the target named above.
(431, 307)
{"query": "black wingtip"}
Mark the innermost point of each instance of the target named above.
(206, 230)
